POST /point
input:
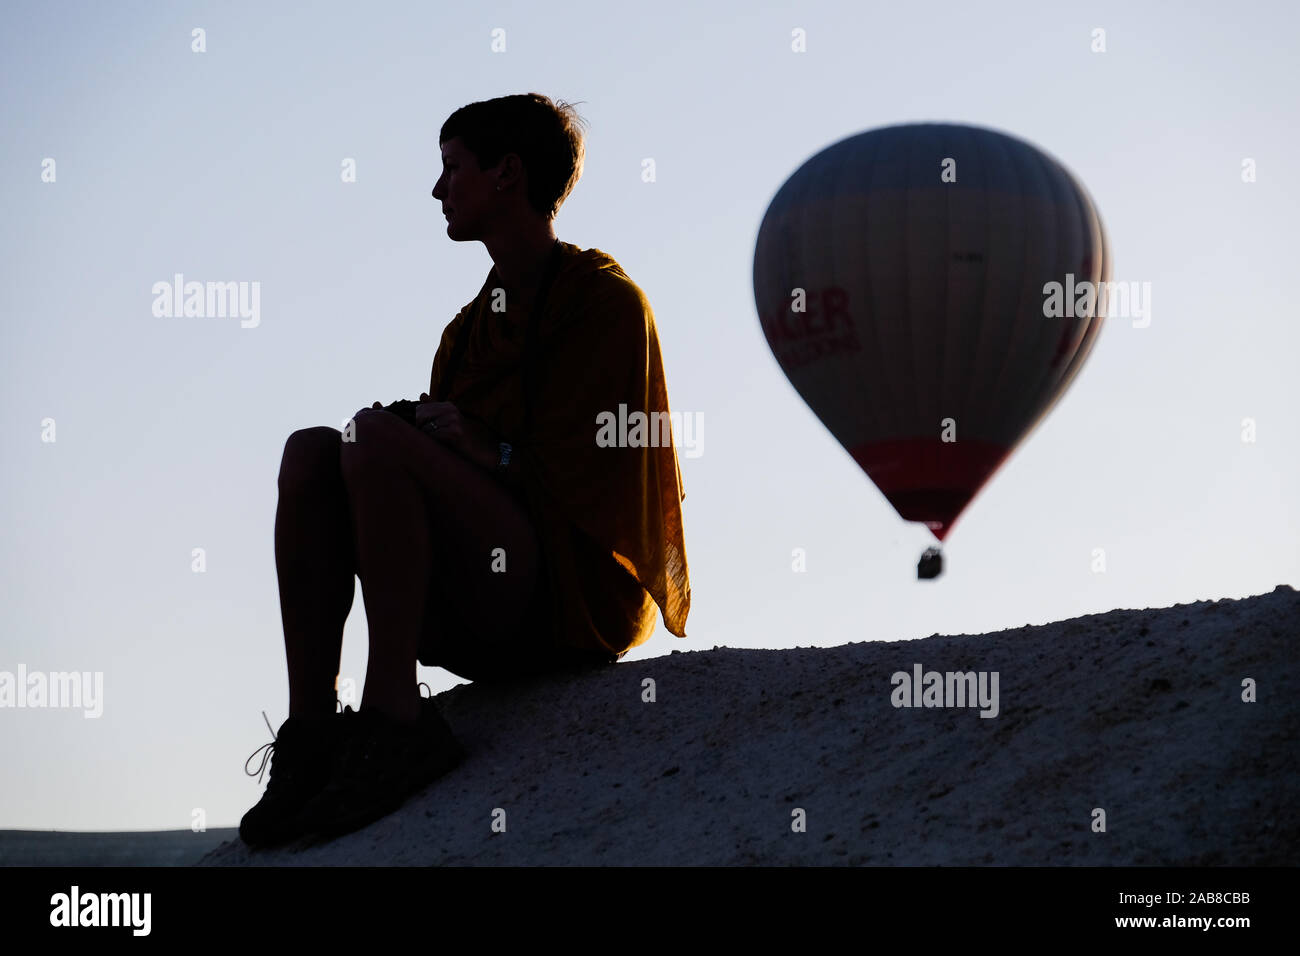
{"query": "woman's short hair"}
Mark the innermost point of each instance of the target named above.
(546, 135)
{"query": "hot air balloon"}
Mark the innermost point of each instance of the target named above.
(899, 276)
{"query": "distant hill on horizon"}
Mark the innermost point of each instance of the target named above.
(109, 847)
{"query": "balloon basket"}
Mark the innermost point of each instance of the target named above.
(930, 565)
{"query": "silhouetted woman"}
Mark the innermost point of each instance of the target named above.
(523, 516)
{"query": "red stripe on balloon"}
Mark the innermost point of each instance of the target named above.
(929, 480)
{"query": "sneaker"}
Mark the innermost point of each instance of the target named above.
(383, 763)
(302, 759)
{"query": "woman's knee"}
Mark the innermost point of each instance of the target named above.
(311, 455)
(374, 446)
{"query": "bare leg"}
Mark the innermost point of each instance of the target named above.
(315, 563)
(393, 557)
(420, 510)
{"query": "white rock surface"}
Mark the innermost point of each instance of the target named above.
(1136, 712)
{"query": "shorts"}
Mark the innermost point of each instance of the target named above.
(530, 650)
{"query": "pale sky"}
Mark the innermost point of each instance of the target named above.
(225, 165)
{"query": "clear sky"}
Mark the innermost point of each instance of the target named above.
(225, 165)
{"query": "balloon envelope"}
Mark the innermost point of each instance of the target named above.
(900, 276)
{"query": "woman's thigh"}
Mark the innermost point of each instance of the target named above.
(486, 578)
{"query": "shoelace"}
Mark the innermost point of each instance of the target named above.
(264, 750)
(267, 748)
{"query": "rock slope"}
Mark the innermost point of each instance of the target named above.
(1134, 713)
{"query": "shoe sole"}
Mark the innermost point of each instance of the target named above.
(287, 835)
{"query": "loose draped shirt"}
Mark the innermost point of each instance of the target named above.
(604, 495)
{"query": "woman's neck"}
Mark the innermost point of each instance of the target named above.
(521, 261)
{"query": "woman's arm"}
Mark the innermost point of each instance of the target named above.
(483, 448)
(468, 437)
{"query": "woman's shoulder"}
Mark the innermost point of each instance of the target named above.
(596, 285)
(593, 265)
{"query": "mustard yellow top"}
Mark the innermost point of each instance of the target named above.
(608, 519)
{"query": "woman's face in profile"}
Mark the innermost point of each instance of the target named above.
(464, 191)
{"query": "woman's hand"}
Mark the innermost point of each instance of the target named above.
(442, 420)
(467, 436)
